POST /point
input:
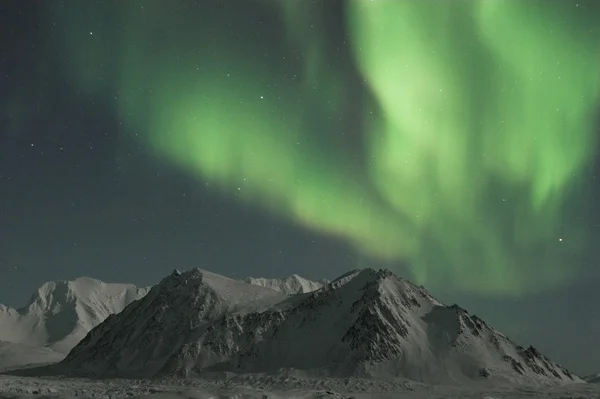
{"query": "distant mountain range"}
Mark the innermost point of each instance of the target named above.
(365, 323)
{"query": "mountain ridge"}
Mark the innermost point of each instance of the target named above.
(365, 323)
(293, 284)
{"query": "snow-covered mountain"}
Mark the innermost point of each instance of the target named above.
(293, 284)
(365, 323)
(61, 313)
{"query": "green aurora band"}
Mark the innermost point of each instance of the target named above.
(478, 126)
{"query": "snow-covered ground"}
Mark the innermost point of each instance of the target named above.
(276, 387)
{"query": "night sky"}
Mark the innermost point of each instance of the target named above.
(452, 142)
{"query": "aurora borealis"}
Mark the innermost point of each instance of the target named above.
(477, 138)
(454, 142)
(456, 131)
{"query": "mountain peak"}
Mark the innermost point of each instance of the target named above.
(202, 285)
(176, 272)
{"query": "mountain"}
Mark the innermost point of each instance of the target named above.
(61, 313)
(293, 284)
(365, 323)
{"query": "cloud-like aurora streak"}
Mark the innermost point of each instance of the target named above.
(485, 127)
(477, 136)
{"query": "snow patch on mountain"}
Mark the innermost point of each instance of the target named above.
(365, 323)
(293, 284)
(61, 313)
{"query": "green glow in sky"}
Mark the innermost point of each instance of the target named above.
(484, 127)
(477, 126)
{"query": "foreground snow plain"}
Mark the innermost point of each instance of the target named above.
(275, 387)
